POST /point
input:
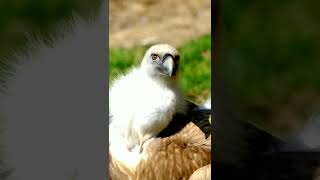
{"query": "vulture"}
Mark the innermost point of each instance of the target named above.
(147, 109)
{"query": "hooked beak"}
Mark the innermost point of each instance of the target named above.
(168, 66)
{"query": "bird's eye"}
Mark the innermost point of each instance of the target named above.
(154, 57)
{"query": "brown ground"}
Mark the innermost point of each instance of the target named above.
(144, 22)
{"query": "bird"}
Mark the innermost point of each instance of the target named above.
(143, 101)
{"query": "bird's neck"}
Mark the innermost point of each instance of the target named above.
(164, 81)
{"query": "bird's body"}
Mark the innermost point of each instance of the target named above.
(147, 104)
(142, 111)
(143, 102)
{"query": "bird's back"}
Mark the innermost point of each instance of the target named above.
(174, 157)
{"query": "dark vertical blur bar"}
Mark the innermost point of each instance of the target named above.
(53, 98)
(266, 90)
(227, 147)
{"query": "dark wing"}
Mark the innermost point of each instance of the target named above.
(200, 117)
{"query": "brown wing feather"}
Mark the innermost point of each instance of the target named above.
(173, 157)
(203, 173)
(118, 171)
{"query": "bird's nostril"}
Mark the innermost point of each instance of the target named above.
(159, 69)
(166, 56)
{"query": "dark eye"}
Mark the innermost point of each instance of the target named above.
(154, 57)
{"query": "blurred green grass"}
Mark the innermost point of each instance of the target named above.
(195, 65)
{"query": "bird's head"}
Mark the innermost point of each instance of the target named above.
(161, 61)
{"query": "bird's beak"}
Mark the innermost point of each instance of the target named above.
(168, 66)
